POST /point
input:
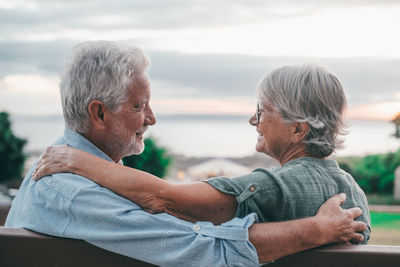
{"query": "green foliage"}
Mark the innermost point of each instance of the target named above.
(385, 220)
(374, 173)
(346, 167)
(396, 122)
(11, 151)
(382, 199)
(154, 159)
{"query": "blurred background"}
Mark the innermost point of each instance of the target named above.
(207, 57)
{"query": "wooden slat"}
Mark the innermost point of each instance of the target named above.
(3, 213)
(20, 247)
(344, 256)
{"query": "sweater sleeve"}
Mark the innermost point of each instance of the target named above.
(257, 192)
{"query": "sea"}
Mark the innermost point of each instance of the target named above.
(198, 135)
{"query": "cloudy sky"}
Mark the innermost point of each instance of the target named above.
(207, 56)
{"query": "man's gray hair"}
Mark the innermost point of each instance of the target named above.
(312, 94)
(98, 70)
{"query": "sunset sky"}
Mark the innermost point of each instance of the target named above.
(207, 56)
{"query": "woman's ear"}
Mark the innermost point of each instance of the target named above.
(300, 131)
(96, 110)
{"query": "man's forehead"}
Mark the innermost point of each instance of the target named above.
(139, 94)
(140, 83)
(142, 78)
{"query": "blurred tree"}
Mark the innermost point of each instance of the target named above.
(375, 173)
(154, 159)
(12, 157)
(396, 121)
(346, 167)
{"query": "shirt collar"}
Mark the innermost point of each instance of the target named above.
(76, 140)
(326, 163)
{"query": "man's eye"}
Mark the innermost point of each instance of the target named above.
(139, 107)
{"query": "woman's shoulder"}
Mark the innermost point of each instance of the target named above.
(312, 165)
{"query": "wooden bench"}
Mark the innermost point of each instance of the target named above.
(3, 213)
(20, 247)
(344, 256)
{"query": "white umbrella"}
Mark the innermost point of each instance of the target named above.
(216, 167)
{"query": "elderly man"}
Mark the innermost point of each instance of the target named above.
(105, 95)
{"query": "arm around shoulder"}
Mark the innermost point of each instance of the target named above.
(114, 223)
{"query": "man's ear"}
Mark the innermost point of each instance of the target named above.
(300, 131)
(96, 110)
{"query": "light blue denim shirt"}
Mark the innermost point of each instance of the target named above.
(69, 205)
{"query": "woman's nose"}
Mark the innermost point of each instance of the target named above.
(253, 120)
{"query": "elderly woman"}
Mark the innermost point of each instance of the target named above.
(298, 119)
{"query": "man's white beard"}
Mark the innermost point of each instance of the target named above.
(136, 148)
(125, 147)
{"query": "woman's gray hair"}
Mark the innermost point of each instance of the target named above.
(98, 70)
(312, 94)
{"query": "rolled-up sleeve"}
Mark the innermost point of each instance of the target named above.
(116, 224)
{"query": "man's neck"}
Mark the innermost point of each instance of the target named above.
(103, 146)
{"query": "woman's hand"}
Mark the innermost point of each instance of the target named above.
(56, 159)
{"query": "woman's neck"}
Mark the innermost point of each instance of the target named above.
(295, 153)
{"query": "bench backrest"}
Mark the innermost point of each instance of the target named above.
(3, 213)
(345, 255)
(20, 247)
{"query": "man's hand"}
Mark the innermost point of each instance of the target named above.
(331, 224)
(337, 225)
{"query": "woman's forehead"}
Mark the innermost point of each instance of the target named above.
(265, 103)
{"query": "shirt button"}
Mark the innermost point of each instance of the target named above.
(252, 188)
(196, 227)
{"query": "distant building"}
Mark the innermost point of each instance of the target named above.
(215, 167)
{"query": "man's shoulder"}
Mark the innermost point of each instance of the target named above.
(68, 185)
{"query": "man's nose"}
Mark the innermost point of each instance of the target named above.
(150, 118)
(253, 120)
